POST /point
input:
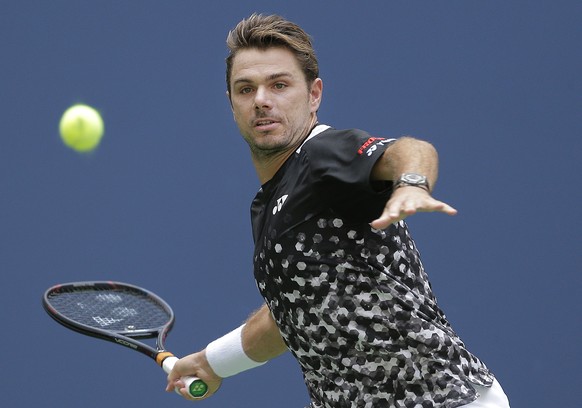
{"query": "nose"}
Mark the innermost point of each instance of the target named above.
(262, 99)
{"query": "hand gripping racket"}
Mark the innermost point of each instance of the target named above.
(119, 313)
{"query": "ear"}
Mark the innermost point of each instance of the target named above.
(315, 94)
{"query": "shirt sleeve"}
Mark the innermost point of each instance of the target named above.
(340, 164)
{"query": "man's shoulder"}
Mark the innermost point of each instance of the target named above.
(353, 140)
(329, 131)
(324, 135)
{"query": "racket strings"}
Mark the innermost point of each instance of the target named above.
(113, 309)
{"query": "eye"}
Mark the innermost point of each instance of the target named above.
(245, 90)
(280, 85)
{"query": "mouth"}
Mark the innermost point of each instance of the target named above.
(265, 124)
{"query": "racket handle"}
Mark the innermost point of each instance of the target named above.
(196, 387)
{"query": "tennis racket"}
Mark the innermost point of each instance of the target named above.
(120, 313)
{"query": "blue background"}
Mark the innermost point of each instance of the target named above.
(164, 201)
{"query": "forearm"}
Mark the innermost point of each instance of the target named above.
(261, 338)
(407, 155)
(246, 347)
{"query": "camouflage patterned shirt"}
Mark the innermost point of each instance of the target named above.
(353, 304)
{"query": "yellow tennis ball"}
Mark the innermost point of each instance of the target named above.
(81, 128)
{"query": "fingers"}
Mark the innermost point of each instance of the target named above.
(386, 219)
(408, 201)
(181, 388)
(173, 385)
(194, 365)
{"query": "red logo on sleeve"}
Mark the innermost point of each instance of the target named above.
(370, 145)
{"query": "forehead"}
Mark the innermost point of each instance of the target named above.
(254, 64)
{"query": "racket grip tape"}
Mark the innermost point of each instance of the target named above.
(196, 387)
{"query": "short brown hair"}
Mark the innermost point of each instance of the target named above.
(260, 31)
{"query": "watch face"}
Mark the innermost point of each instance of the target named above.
(413, 178)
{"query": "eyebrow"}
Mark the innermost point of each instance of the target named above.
(271, 77)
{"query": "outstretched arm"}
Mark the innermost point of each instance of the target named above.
(408, 155)
(258, 342)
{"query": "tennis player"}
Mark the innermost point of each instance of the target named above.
(344, 287)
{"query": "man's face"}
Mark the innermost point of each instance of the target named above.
(272, 104)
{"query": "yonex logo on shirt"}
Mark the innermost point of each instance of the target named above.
(280, 202)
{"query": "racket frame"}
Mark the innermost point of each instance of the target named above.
(127, 338)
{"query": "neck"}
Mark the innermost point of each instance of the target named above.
(266, 165)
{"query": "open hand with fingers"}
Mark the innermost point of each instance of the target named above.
(406, 201)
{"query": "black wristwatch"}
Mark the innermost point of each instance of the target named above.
(412, 179)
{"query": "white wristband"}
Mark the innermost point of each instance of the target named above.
(227, 357)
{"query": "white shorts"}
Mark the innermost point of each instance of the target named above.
(493, 397)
